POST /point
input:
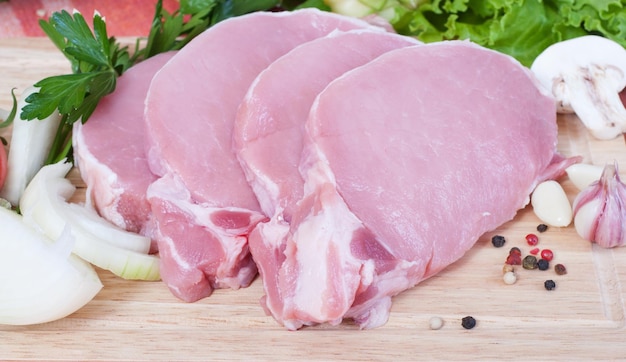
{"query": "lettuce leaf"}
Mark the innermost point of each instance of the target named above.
(520, 28)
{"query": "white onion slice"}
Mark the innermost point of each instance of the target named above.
(30, 144)
(40, 281)
(44, 204)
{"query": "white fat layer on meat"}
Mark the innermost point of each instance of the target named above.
(375, 311)
(171, 190)
(332, 228)
(273, 232)
(96, 174)
(266, 191)
(335, 225)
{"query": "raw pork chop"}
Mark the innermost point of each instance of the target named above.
(407, 161)
(270, 123)
(202, 203)
(110, 151)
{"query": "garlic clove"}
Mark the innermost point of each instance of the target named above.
(551, 205)
(585, 216)
(583, 174)
(600, 210)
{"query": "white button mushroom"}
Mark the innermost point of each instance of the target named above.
(585, 75)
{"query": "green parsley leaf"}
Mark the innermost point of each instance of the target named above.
(97, 60)
(11, 116)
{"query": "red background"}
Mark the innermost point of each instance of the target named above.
(123, 17)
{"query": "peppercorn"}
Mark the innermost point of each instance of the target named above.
(534, 251)
(560, 269)
(543, 264)
(507, 268)
(514, 259)
(547, 254)
(542, 228)
(549, 284)
(515, 256)
(498, 241)
(436, 323)
(529, 262)
(468, 322)
(509, 278)
(532, 239)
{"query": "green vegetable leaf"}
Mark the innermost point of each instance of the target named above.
(73, 36)
(67, 93)
(97, 60)
(196, 6)
(520, 28)
(11, 116)
(319, 4)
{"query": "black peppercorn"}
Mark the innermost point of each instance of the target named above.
(468, 322)
(498, 241)
(543, 264)
(549, 284)
(542, 228)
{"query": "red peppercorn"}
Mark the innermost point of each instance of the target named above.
(547, 254)
(532, 239)
(514, 259)
(534, 251)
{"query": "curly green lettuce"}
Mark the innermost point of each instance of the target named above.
(520, 28)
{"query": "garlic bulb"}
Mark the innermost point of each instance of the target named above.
(600, 210)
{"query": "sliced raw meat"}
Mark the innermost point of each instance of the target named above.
(407, 161)
(110, 151)
(270, 122)
(202, 203)
(270, 125)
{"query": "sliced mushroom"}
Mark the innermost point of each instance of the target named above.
(586, 75)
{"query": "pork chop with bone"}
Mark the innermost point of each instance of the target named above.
(407, 161)
(270, 124)
(202, 203)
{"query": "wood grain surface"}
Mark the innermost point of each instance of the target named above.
(582, 319)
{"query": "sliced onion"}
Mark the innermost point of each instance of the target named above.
(44, 205)
(30, 144)
(40, 281)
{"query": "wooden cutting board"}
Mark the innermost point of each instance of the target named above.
(582, 319)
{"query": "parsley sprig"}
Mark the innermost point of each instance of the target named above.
(97, 60)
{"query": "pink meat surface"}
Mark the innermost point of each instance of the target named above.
(203, 205)
(270, 121)
(110, 151)
(270, 125)
(407, 161)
